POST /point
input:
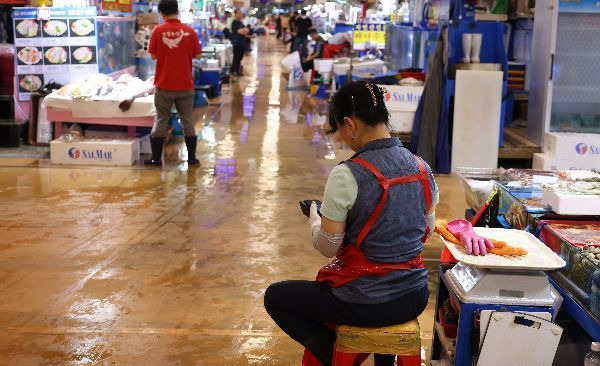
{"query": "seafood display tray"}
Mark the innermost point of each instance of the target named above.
(539, 256)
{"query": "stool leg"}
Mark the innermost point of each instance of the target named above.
(408, 360)
(310, 360)
(348, 359)
(362, 357)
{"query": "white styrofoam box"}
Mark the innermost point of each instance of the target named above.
(575, 146)
(401, 121)
(402, 98)
(95, 152)
(543, 161)
(212, 64)
(145, 147)
(373, 67)
(108, 134)
(323, 65)
(572, 204)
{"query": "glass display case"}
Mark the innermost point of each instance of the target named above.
(406, 46)
(116, 44)
(563, 92)
(578, 243)
(575, 74)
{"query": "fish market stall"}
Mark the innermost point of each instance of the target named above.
(99, 100)
(560, 208)
(497, 309)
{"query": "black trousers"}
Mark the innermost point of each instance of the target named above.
(300, 309)
(238, 55)
(308, 65)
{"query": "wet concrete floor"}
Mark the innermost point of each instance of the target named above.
(136, 266)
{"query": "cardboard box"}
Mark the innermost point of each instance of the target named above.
(148, 19)
(543, 161)
(573, 146)
(95, 152)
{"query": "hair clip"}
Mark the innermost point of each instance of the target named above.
(383, 90)
(370, 87)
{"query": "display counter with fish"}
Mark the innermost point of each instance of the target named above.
(96, 100)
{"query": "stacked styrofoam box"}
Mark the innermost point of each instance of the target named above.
(564, 150)
(402, 102)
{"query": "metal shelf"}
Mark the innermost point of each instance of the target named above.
(447, 343)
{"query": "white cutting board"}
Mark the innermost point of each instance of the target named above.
(509, 343)
(539, 256)
(476, 131)
(486, 315)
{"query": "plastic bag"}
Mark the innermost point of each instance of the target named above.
(291, 61)
(297, 79)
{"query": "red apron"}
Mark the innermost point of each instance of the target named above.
(351, 263)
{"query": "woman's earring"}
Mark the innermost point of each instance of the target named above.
(353, 136)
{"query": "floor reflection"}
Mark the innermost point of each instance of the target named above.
(131, 265)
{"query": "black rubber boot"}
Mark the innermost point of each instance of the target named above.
(156, 143)
(190, 143)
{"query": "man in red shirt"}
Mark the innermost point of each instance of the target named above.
(173, 46)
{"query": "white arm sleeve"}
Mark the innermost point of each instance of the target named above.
(431, 223)
(326, 243)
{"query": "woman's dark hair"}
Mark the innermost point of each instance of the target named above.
(168, 7)
(361, 99)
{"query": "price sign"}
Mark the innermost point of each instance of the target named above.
(43, 13)
(372, 34)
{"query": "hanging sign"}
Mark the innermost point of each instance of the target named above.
(369, 35)
(124, 6)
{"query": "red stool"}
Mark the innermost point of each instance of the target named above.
(355, 344)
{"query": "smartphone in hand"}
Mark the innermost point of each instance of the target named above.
(305, 207)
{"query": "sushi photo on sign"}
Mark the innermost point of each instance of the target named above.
(30, 83)
(57, 55)
(28, 56)
(27, 28)
(83, 55)
(82, 27)
(55, 28)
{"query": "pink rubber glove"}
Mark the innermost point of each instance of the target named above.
(473, 243)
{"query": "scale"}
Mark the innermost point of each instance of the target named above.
(506, 305)
(503, 287)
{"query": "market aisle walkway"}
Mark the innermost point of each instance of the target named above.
(137, 266)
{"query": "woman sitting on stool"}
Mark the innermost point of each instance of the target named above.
(377, 208)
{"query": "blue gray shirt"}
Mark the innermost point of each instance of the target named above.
(396, 236)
